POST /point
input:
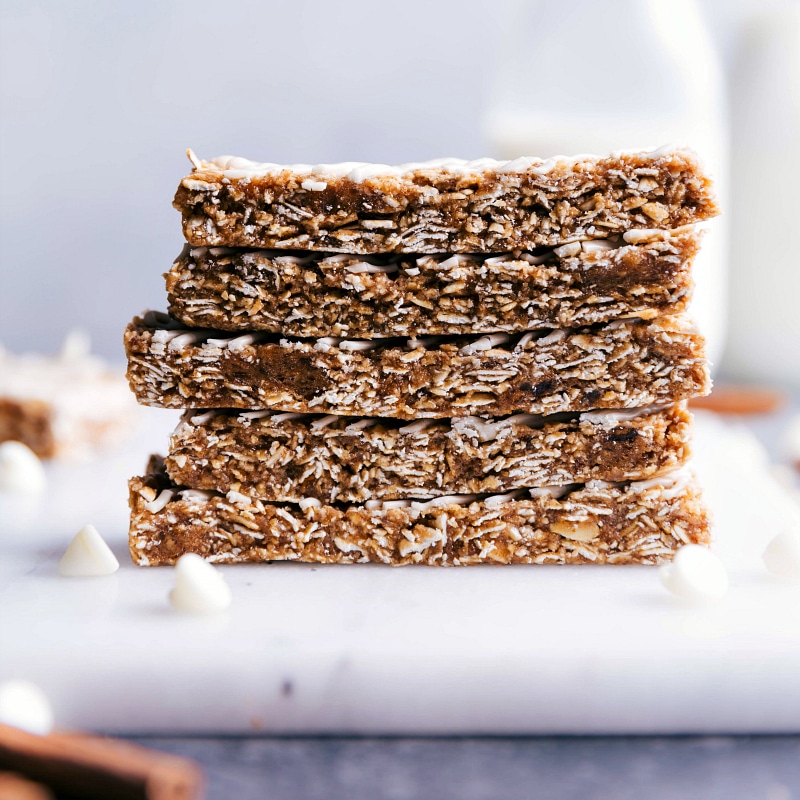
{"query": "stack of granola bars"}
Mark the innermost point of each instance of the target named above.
(453, 362)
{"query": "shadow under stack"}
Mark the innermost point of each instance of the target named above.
(455, 362)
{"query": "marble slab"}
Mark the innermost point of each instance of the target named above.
(376, 650)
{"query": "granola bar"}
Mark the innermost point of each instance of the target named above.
(444, 206)
(640, 522)
(319, 294)
(624, 364)
(63, 406)
(287, 457)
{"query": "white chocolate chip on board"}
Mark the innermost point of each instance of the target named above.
(782, 556)
(24, 705)
(87, 556)
(695, 574)
(21, 471)
(199, 587)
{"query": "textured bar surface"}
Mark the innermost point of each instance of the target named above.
(288, 457)
(319, 294)
(445, 206)
(625, 364)
(597, 523)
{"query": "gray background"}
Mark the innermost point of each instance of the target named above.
(98, 101)
(677, 768)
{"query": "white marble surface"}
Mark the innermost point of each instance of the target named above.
(369, 649)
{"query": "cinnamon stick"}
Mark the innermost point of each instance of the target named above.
(78, 765)
(732, 399)
(13, 787)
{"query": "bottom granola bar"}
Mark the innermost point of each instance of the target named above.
(631, 523)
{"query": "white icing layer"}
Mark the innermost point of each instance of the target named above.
(317, 176)
(323, 422)
(555, 492)
(487, 430)
(361, 424)
(671, 485)
(484, 343)
(483, 429)
(610, 418)
(489, 501)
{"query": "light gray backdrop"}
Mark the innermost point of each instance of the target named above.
(98, 101)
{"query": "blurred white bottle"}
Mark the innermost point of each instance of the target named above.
(589, 77)
(764, 340)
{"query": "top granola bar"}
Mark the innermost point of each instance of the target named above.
(449, 205)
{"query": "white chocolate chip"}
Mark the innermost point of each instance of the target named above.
(782, 556)
(87, 556)
(77, 345)
(24, 705)
(20, 469)
(199, 587)
(695, 574)
(792, 440)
